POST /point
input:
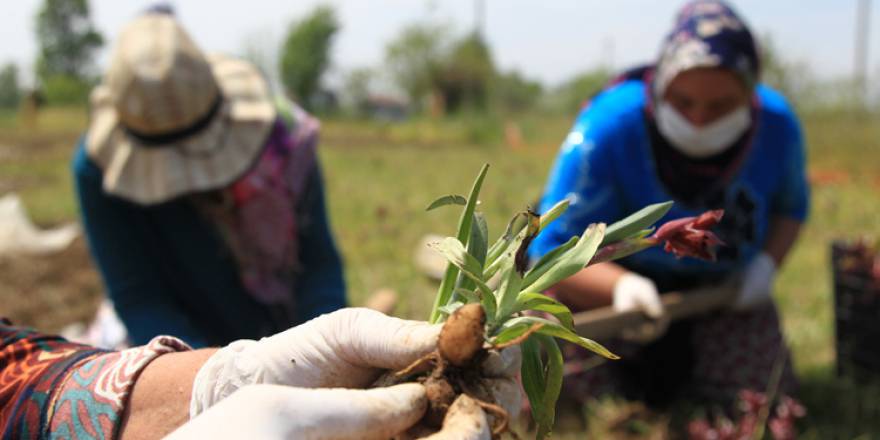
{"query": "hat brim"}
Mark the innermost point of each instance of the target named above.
(212, 158)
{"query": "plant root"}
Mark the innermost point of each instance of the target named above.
(500, 415)
(454, 368)
(519, 339)
(461, 339)
(421, 365)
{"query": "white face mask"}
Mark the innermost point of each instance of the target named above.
(701, 141)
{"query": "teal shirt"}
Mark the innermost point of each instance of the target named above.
(168, 271)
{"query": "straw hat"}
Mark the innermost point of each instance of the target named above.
(168, 120)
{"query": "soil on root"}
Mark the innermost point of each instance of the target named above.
(453, 369)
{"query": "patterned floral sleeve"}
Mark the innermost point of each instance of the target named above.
(52, 388)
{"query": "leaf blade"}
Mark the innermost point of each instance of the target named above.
(572, 261)
(548, 260)
(543, 303)
(636, 222)
(449, 199)
(551, 328)
(444, 292)
(532, 371)
(553, 372)
(478, 244)
(508, 292)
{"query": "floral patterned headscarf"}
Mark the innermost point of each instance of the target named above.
(707, 33)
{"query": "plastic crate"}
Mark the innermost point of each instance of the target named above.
(857, 318)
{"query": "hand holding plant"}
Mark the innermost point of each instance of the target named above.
(479, 318)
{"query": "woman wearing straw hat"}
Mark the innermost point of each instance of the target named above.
(699, 129)
(202, 204)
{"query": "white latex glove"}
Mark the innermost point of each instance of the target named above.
(281, 412)
(348, 348)
(756, 283)
(635, 292)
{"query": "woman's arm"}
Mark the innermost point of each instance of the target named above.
(781, 236)
(160, 397)
(58, 388)
(590, 288)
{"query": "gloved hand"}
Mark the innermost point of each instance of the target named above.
(348, 348)
(280, 412)
(756, 283)
(635, 292)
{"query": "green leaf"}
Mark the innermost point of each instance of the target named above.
(553, 213)
(444, 292)
(454, 252)
(464, 223)
(463, 282)
(495, 266)
(448, 309)
(551, 328)
(500, 245)
(572, 261)
(543, 303)
(509, 333)
(643, 233)
(476, 247)
(532, 371)
(508, 256)
(479, 241)
(487, 299)
(622, 248)
(510, 246)
(553, 372)
(636, 222)
(548, 261)
(451, 199)
(508, 292)
(469, 295)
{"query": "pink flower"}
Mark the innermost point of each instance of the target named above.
(690, 236)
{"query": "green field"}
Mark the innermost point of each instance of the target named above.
(380, 178)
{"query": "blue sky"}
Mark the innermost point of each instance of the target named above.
(549, 40)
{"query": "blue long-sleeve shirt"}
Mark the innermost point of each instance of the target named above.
(168, 271)
(606, 170)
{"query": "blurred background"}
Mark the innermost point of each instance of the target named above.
(414, 96)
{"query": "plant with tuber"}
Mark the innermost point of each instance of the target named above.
(478, 318)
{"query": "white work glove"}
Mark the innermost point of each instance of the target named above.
(756, 283)
(635, 292)
(348, 348)
(282, 412)
(278, 412)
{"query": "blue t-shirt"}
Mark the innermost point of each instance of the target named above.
(605, 168)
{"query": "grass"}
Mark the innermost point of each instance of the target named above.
(381, 177)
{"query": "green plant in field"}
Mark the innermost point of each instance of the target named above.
(474, 262)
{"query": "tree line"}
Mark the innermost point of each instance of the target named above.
(431, 69)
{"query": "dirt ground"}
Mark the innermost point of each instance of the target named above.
(50, 292)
